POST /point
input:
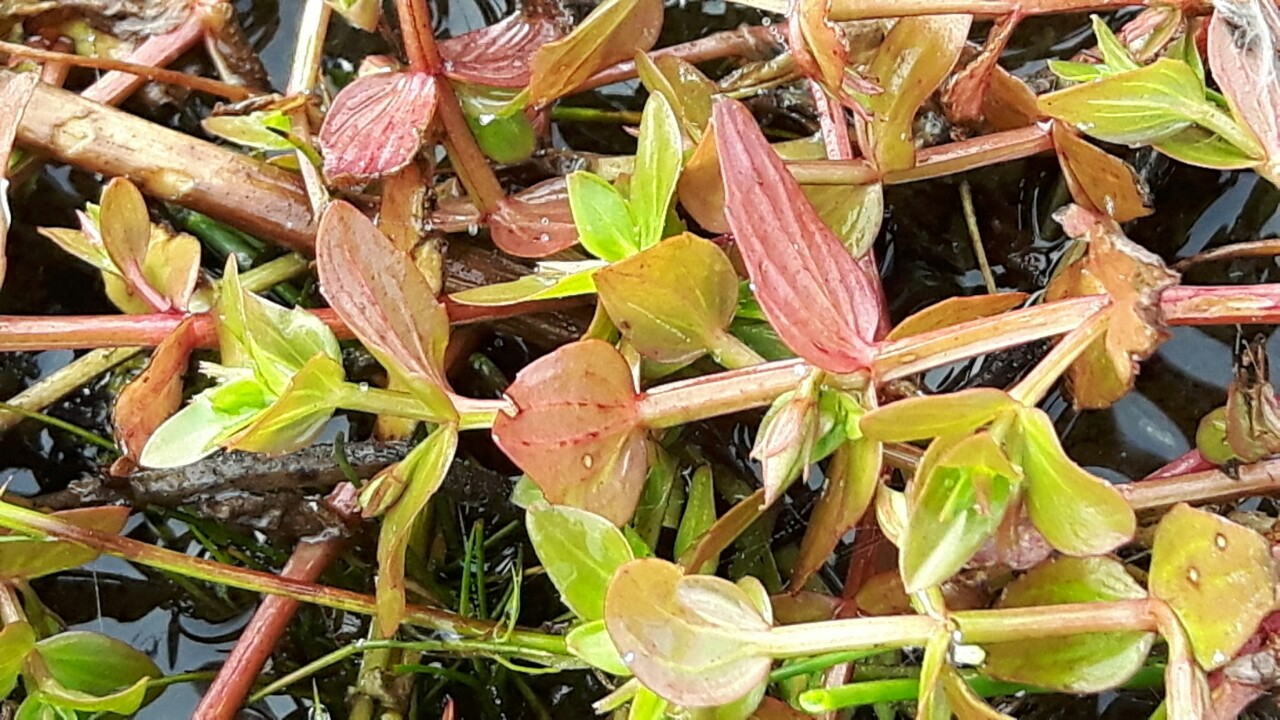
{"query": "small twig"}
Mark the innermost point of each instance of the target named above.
(1268, 247)
(975, 236)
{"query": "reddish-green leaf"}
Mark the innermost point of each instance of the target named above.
(684, 86)
(498, 55)
(1078, 513)
(155, 394)
(376, 290)
(23, 559)
(687, 638)
(126, 232)
(917, 418)
(852, 478)
(700, 187)
(614, 31)
(956, 310)
(786, 440)
(535, 222)
(1087, 663)
(814, 292)
(1098, 180)
(576, 430)
(424, 470)
(16, 640)
(912, 62)
(376, 125)
(1218, 578)
(673, 300)
(1242, 54)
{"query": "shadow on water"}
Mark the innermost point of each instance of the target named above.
(926, 255)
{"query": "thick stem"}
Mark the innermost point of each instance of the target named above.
(419, 39)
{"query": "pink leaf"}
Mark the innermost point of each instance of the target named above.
(1242, 54)
(577, 430)
(376, 126)
(535, 222)
(498, 55)
(814, 292)
(155, 394)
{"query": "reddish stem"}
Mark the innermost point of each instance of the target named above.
(747, 40)
(156, 51)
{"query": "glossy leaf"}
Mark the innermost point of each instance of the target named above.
(1078, 513)
(197, 430)
(614, 31)
(590, 642)
(687, 638)
(1197, 146)
(424, 469)
(917, 418)
(819, 46)
(549, 280)
(1099, 181)
(23, 559)
(606, 227)
(914, 59)
(376, 290)
(261, 130)
(498, 122)
(684, 87)
(155, 394)
(1218, 578)
(577, 430)
(1242, 41)
(295, 418)
(126, 232)
(852, 213)
(16, 640)
(852, 478)
(535, 222)
(499, 55)
(1134, 279)
(376, 125)
(580, 552)
(1086, 663)
(954, 311)
(673, 300)
(95, 664)
(699, 515)
(701, 188)
(790, 254)
(958, 502)
(659, 157)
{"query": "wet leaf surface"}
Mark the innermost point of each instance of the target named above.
(536, 222)
(580, 552)
(499, 55)
(614, 31)
(688, 91)
(155, 394)
(376, 126)
(1218, 578)
(1099, 181)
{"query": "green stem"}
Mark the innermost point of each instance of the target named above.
(89, 437)
(1032, 388)
(818, 663)
(473, 414)
(562, 113)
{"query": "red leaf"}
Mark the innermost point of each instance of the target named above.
(498, 55)
(376, 290)
(816, 295)
(535, 222)
(577, 430)
(376, 126)
(155, 394)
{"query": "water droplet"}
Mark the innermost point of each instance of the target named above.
(628, 659)
(800, 370)
(473, 229)
(364, 387)
(510, 409)
(1221, 541)
(751, 286)
(1193, 574)
(1219, 657)
(766, 21)
(588, 461)
(544, 237)
(448, 65)
(545, 221)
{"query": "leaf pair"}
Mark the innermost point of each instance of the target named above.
(969, 478)
(73, 672)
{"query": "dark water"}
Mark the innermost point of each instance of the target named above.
(188, 626)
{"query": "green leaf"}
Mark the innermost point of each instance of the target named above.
(1077, 72)
(853, 213)
(580, 552)
(1087, 663)
(694, 640)
(932, 703)
(1078, 513)
(24, 559)
(590, 642)
(1216, 575)
(549, 281)
(699, 516)
(606, 226)
(425, 469)
(647, 706)
(659, 157)
(16, 640)
(126, 232)
(199, 429)
(499, 125)
(301, 411)
(672, 300)
(1114, 54)
(853, 475)
(961, 491)
(613, 32)
(656, 496)
(917, 418)
(684, 86)
(257, 130)
(95, 664)
(1199, 147)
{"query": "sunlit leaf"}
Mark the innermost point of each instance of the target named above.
(580, 552)
(590, 641)
(425, 469)
(1242, 53)
(956, 310)
(614, 31)
(1218, 578)
(211, 418)
(16, 640)
(917, 418)
(688, 639)
(699, 515)
(659, 157)
(295, 418)
(673, 300)
(499, 55)
(535, 222)
(376, 125)
(1085, 663)
(1078, 513)
(912, 62)
(258, 130)
(958, 501)
(606, 227)
(817, 296)
(376, 290)
(688, 91)
(1134, 278)
(94, 663)
(155, 394)
(852, 477)
(1100, 181)
(23, 559)
(576, 430)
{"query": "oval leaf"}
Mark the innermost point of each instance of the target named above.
(580, 552)
(535, 222)
(376, 125)
(95, 664)
(613, 31)
(576, 430)
(606, 228)
(498, 55)
(591, 642)
(814, 292)
(659, 156)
